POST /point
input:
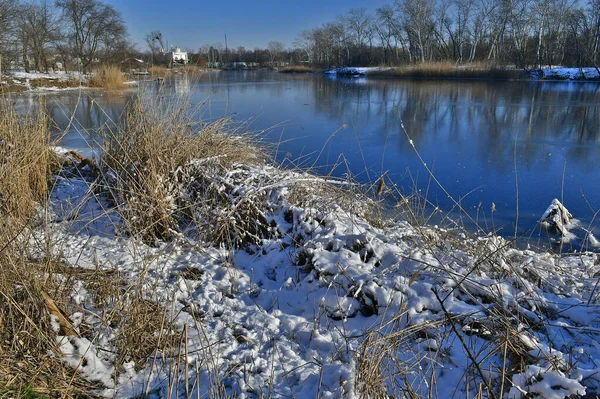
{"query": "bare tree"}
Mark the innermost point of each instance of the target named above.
(594, 16)
(275, 49)
(38, 29)
(306, 43)
(389, 26)
(417, 19)
(95, 29)
(517, 32)
(8, 10)
(157, 49)
(479, 25)
(499, 17)
(358, 23)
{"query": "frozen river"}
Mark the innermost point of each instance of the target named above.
(484, 141)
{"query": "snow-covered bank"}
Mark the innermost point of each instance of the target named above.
(443, 71)
(567, 73)
(350, 71)
(53, 81)
(331, 301)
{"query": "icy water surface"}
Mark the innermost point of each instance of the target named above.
(484, 141)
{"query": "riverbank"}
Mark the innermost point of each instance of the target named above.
(216, 275)
(445, 71)
(103, 78)
(14, 82)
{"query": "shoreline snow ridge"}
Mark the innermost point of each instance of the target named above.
(326, 300)
(441, 71)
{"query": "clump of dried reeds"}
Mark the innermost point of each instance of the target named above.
(28, 350)
(148, 169)
(446, 70)
(48, 82)
(107, 77)
(24, 162)
(158, 70)
(297, 69)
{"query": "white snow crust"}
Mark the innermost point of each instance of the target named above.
(562, 73)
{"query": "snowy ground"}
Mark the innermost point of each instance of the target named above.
(353, 71)
(555, 73)
(291, 316)
(569, 73)
(59, 75)
(52, 81)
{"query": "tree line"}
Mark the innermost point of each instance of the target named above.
(523, 33)
(74, 33)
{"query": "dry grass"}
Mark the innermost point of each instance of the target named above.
(47, 82)
(144, 330)
(24, 162)
(194, 68)
(148, 171)
(28, 353)
(297, 69)
(107, 77)
(12, 86)
(445, 70)
(29, 356)
(30, 360)
(158, 70)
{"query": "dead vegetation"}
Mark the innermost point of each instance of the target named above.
(107, 77)
(29, 356)
(158, 71)
(148, 169)
(12, 86)
(24, 163)
(58, 83)
(297, 69)
(448, 70)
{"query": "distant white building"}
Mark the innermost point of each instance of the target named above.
(179, 57)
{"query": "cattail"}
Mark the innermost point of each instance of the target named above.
(380, 186)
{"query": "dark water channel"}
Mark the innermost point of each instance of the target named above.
(483, 140)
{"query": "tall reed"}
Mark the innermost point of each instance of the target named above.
(29, 360)
(445, 70)
(147, 161)
(107, 77)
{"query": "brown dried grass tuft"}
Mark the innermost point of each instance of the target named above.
(448, 70)
(144, 330)
(24, 163)
(297, 69)
(28, 352)
(107, 77)
(148, 156)
(12, 86)
(29, 356)
(47, 82)
(158, 70)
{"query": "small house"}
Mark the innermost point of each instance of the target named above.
(179, 57)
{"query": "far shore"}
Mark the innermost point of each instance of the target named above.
(18, 81)
(451, 71)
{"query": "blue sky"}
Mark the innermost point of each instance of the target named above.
(191, 24)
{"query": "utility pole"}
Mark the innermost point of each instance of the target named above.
(226, 51)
